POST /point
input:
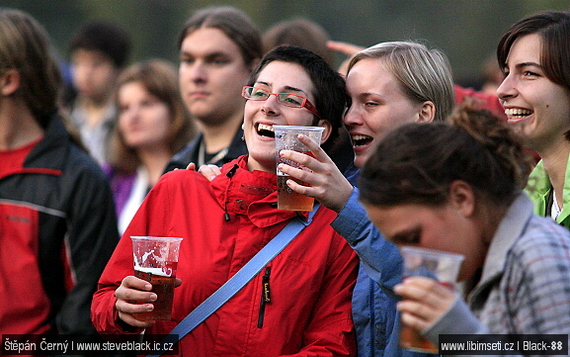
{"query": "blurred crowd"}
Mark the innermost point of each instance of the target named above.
(408, 158)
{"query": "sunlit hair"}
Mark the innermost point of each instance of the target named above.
(553, 27)
(25, 47)
(329, 89)
(234, 23)
(423, 74)
(417, 163)
(159, 78)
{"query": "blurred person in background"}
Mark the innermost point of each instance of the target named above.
(57, 221)
(152, 125)
(219, 48)
(98, 51)
(534, 55)
(300, 32)
(458, 187)
(492, 75)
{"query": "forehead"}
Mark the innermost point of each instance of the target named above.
(392, 220)
(86, 55)
(402, 220)
(372, 75)
(527, 48)
(130, 88)
(279, 75)
(207, 41)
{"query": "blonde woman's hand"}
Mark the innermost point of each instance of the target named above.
(326, 183)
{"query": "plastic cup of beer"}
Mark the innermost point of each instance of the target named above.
(155, 260)
(286, 138)
(439, 265)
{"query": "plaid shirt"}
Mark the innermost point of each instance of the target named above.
(525, 283)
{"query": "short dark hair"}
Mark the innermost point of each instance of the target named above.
(106, 37)
(234, 23)
(330, 94)
(554, 29)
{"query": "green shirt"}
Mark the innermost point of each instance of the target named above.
(540, 190)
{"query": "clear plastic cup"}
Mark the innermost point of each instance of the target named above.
(155, 260)
(438, 265)
(286, 138)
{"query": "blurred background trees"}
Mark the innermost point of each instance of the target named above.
(466, 30)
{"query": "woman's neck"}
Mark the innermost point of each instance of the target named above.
(155, 161)
(555, 162)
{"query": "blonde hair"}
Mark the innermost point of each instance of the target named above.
(424, 74)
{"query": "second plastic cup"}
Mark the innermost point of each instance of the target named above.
(286, 138)
(155, 260)
(439, 265)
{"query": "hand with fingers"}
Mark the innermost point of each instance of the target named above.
(326, 183)
(134, 296)
(424, 301)
(209, 171)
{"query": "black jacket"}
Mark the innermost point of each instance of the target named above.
(190, 152)
(57, 231)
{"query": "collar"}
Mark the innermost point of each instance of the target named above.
(79, 114)
(49, 153)
(250, 193)
(510, 229)
(539, 189)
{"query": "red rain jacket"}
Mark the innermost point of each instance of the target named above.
(311, 280)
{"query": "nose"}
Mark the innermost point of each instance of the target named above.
(352, 117)
(131, 113)
(507, 88)
(270, 106)
(197, 72)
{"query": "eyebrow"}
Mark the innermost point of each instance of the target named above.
(289, 88)
(527, 64)
(208, 56)
(410, 236)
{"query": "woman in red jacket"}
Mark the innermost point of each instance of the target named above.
(226, 221)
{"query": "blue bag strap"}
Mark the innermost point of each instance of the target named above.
(239, 280)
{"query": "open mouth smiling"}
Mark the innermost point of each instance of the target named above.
(361, 140)
(265, 130)
(516, 113)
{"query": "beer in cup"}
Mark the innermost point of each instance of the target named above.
(286, 138)
(155, 260)
(438, 265)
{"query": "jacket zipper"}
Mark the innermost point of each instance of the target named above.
(265, 296)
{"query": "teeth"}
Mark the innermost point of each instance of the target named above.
(361, 140)
(265, 127)
(360, 137)
(512, 112)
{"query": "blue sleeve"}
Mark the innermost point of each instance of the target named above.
(380, 259)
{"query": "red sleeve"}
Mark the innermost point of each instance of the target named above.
(152, 218)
